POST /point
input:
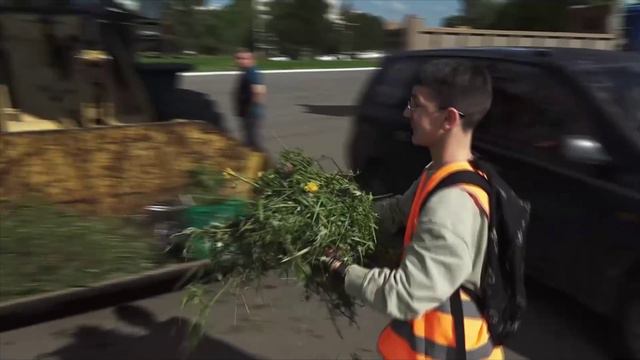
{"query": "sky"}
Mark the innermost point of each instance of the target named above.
(432, 11)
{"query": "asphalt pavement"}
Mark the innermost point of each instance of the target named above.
(311, 111)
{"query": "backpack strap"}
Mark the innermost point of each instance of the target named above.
(463, 177)
(458, 325)
(470, 178)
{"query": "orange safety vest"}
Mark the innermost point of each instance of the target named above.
(432, 335)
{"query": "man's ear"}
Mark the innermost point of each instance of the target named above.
(451, 119)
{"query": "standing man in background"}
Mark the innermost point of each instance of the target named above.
(249, 98)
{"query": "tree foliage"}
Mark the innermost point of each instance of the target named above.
(533, 15)
(300, 24)
(211, 31)
(366, 31)
(294, 27)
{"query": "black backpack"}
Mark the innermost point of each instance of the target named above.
(502, 296)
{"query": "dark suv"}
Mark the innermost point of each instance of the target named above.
(564, 130)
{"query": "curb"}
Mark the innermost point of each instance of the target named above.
(54, 305)
(283, 71)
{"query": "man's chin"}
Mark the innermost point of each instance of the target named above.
(415, 141)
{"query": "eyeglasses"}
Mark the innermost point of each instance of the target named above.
(411, 106)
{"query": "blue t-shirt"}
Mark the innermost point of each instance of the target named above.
(244, 96)
(253, 76)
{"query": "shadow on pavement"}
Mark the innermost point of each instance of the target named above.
(37, 315)
(556, 324)
(192, 105)
(330, 110)
(161, 340)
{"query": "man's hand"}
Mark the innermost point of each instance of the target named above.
(259, 92)
(334, 263)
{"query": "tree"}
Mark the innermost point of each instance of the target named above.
(212, 31)
(235, 25)
(300, 24)
(481, 13)
(210, 36)
(533, 15)
(456, 21)
(540, 15)
(181, 14)
(366, 31)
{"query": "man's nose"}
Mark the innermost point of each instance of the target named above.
(406, 113)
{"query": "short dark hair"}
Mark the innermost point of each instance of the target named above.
(242, 50)
(460, 84)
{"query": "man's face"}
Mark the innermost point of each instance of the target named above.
(426, 118)
(243, 60)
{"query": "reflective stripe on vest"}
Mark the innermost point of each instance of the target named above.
(432, 335)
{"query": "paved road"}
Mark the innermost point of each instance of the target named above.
(309, 111)
(278, 323)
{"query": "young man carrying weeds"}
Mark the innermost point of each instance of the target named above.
(446, 237)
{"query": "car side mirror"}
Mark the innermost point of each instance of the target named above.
(584, 150)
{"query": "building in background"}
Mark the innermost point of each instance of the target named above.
(591, 18)
(418, 37)
(394, 35)
(600, 26)
(621, 18)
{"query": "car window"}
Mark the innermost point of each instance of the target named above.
(618, 85)
(532, 112)
(393, 86)
(387, 96)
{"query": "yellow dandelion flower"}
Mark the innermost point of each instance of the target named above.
(311, 187)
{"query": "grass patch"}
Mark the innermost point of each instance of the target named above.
(226, 63)
(45, 249)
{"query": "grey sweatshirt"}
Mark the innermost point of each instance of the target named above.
(447, 250)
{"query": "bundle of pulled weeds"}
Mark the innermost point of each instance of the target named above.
(299, 212)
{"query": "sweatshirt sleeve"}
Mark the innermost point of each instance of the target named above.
(436, 262)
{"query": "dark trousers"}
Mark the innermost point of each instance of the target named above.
(251, 126)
